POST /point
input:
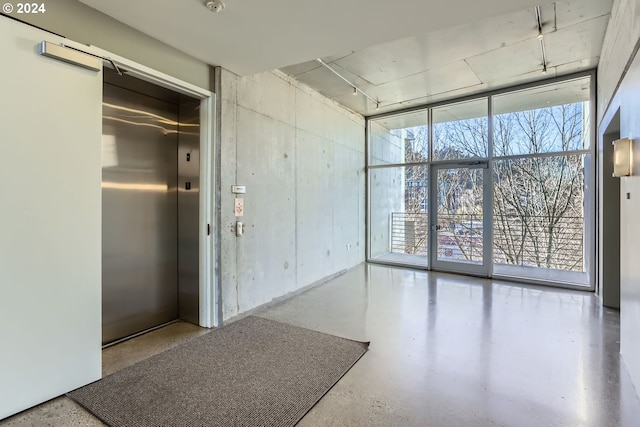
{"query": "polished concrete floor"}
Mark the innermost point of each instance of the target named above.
(445, 350)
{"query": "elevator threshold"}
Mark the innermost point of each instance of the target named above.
(137, 334)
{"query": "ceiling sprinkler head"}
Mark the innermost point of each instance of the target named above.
(214, 5)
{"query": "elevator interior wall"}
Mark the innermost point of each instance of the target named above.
(149, 187)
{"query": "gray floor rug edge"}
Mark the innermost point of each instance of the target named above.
(311, 403)
(365, 343)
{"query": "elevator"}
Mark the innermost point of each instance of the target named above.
(150, 207)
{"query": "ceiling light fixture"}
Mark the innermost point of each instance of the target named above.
(356, 90)
(214, 5)
(543, 51)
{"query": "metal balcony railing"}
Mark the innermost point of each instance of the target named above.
(460, 237)
(539, 241)
(535, 241)
(409, 233)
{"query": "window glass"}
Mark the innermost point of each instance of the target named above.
(399, 219)
(461, 131)
(538, 212)
(546, 119)
(399, 139)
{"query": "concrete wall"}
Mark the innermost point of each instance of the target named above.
(301, 157)
(618, 54)
(83, 24)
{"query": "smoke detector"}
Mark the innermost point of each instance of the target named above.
(214, 5)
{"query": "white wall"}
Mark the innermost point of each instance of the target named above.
(620, 44)
(608, 219)
(301, 157)
(50, 312)
(82, 24)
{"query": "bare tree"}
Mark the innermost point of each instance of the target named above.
(538, 200)
(413, 222)
(460, 215)
(538, 203)
(461, 139)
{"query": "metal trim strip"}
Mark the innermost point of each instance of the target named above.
(70, 56)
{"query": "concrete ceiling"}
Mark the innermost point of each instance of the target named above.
(250, 36)
(486, 54)
(402, 53)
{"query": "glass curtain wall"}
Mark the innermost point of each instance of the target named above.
(536, 144)
(399, 190)
(541, 173)
(460, 156)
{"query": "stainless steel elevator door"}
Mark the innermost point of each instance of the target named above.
(139, 213)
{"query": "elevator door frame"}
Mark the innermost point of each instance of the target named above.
(210, 313)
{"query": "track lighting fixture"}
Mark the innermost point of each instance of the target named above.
(356, 90)
(543, 51)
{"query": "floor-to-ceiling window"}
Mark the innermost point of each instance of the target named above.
(498, 185)
(399, 189)
(541, 172)
(460, 187)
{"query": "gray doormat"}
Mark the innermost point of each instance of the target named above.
(253, 372)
